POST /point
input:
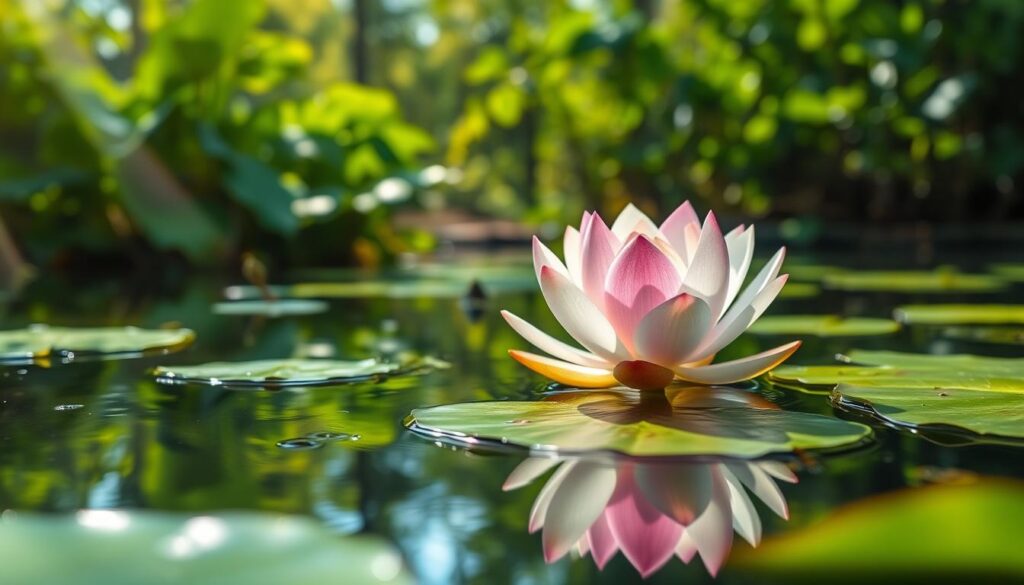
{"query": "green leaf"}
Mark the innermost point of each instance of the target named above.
(960, 314)
(823, 325)
(1012, 272)
(295, 372)
(685, 421)
(977, 394)
(799, 290)
(952, 533)
(41, 342)
(117, 547)
(505, 104)
(996, 335)
(275, 308)
(909, 281)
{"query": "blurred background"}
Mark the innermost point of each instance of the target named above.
(149, 133)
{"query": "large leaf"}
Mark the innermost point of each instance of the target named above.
(42, 342)
(939, 281)
(961, 314)
(685, 421)
(960, 392)
(960, 533)
(116, 547)
(294, 372)
(823, 325)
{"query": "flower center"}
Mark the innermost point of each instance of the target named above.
(643, 375)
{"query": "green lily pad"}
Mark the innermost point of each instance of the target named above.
(799, 290)
(126, 548)
(951, 533)
(911, 281)
(983, 395)
(295, 372)
(811, 272)
(685, 421)
(41, 343)
(823, 325)
(276, 308)
(996, 335)
(1014, 272)
(961, 314)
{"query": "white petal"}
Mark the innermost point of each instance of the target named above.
(573, 256)
(686, 547)
(738, 319)
(598, 246)
(580, 318)
(762, 485)
(580, 499)
(545, 342)
(632, 220)
(670, 332)
(674, 228)
(778, 470)
(540, 505)
(738, 370)
(708, 274)
(741, 251)
(528, 470)
(543, 256)
(712, 530)
(744, 516)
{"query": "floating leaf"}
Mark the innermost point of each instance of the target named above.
(813, 272)
(1014, 272)
(996, 335)
(956, 392)
(41, 342)
(909, 281)
(945, 533)
(126, 548)
(823, 325)
(295, 372)
(686, 421)
(799, 290)
(276, 308)
(961, 314)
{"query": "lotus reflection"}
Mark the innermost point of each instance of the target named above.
(649, 509)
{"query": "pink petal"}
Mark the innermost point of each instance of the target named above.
(602, 542)
(670, 332)
(674, 228)
(631, 220)
(528, 470)
(708, 274)
(598, 248)
(549, 344)
(680, 491)
(686, 548)
(639, 279)
(738, 370)
(578, 315)
(580, 499)
(573, 255)
(646, 537)
(712, 530)
(543, 256)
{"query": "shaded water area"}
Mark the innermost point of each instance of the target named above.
(103, 434)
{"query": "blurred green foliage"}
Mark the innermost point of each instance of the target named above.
(213, 126)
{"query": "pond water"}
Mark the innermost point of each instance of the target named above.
(103, 434)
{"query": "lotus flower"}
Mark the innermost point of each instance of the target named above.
(649, 511)
(650, 304)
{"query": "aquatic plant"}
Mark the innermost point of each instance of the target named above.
(651, 304)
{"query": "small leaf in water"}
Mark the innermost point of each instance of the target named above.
(40, 342)
(823, 325)
(295, 372)
(274, 308)
(995, 335)
(684, 421)
(914, 282)
(961, 314)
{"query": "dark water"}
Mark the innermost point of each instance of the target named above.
(103, 434)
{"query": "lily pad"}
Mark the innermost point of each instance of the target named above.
(983, 395)
(799, 290)
(686, 421)
(41, 343)
(951, 533)
(295, 372)
(1014, 272)
(126, 548)
(823, 325)
(911, 281)
(276, 308)
(961, 314)
(996, 335)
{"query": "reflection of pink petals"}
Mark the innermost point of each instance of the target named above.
(630, 293)
(650, 511)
